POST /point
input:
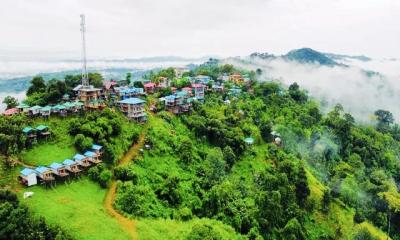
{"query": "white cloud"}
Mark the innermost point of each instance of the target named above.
(124, 28)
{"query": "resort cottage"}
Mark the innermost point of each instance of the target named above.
(34, 111)
(97, 149)
(71, 166)
(59, 169)
(82, 160)
(92, 157)
(28, 177)
(43, 131)
(133, 108)
(45, 111)
(44, 173)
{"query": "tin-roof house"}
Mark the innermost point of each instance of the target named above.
(34, 111)
(45, 173)
(133, 108)
(30, 133)
(28, 177)
(43, 130)
(82, 160)
(97, 149)
(198, 91)
(22, 108)
(59, 169)
(45, 111)
(71, 166)
(92, 157)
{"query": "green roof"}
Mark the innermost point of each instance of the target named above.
(27, 129)
(47, 108)
(78, 104)
(35, 107)
(22, 105)
(58, 107)
(41, 127)
(68, 105)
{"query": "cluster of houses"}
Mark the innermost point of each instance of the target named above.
(59, 171)
(46, 111)
(128, 98)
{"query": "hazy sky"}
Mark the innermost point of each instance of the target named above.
(138, 28)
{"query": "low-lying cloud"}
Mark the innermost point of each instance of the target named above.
(350, 86)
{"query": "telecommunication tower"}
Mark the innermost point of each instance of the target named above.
(85, 77)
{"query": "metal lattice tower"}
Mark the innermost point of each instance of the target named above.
(85, 77)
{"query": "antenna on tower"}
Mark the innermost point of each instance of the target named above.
(85, 77)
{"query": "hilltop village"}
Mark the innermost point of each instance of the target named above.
(174, 90)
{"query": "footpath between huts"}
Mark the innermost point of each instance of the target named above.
(127, 223)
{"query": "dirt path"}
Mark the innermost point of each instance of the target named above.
(128, 224)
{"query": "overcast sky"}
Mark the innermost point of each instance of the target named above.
(140, 28)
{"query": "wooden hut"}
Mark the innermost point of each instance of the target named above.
(34, 111)
(82, 160)
(97, 149)
(71, 166)
(59, 169)
(28, 177)
(45, 111)
(92, 157)
(43, 131)
(23, 108)
(45, 173)
(30, 133)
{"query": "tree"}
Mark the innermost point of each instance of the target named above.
(203, 232)
(138, 84)
(83, 143)
(96, 79)
(229, 156)
(297, 95)
(10, 102)
(38, 85)
(326, 200)
(293, 230)
(128, 78)
(385, 119)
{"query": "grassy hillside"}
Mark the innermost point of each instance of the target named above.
(77, 208)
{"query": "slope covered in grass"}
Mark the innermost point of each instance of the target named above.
(77, 208)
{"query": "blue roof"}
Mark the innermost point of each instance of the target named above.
(68, 162)
(41, 169)
(27, 171)
(79, 157)
(96, 147)
(132, 101)
(56, 166)
(170, 97)
(90, 154)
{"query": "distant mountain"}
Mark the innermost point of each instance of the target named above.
(344, 57)
(308, 55)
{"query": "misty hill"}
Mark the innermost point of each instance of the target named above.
(308, 55)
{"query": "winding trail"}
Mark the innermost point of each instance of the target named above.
(128, 224)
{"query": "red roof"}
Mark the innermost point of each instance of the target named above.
(150, 84)
(11, 111)
(197, 85)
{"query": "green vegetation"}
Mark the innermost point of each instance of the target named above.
(17, 222)
(47, 153)
(306, 176)
(78, 208)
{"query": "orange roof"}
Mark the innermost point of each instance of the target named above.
(150, 84)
